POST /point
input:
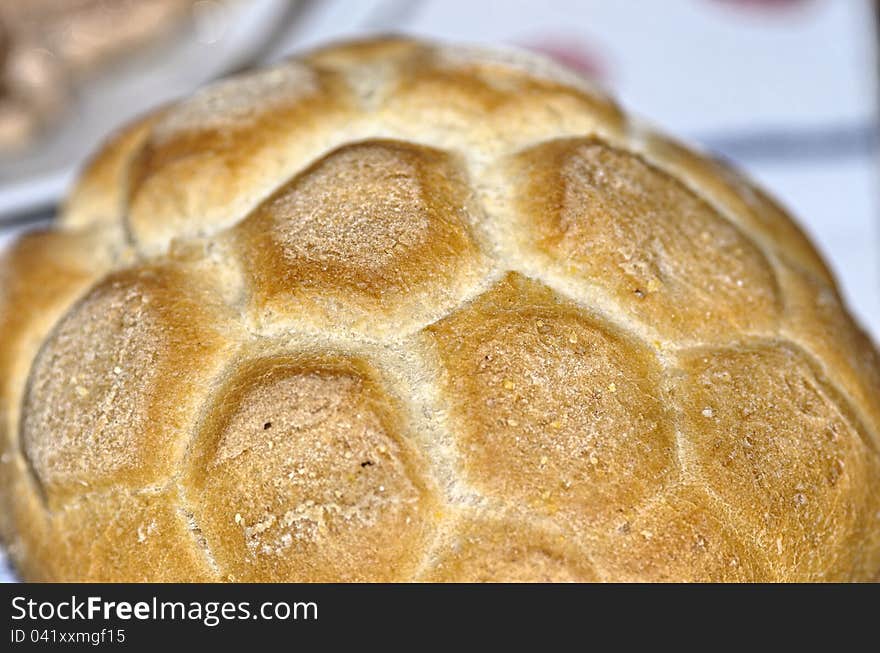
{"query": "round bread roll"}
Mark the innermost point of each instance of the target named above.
(393, 311)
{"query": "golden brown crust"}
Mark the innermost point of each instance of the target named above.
(361, 232)
(744, 202)
(510, 105)
(556, 410)
(499, 550)
(816, 318)
(663, 254)
(231, 143)
(125, 364)
(40, 277)
(395, 311)
(772, 440)
(678, 537)
(99, 197)
(132, 537)
(301, 472)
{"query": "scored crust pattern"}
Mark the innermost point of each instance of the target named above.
(395, 311)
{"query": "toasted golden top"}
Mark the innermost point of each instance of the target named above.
(396, 311)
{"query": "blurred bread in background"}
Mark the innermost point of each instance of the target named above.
(47, 46)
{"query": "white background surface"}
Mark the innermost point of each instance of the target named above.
(712, 70)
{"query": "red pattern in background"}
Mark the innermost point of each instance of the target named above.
(572, 52)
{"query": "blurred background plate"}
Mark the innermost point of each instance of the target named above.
(214, 38)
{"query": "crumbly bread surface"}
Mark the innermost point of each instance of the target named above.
(396, 311)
